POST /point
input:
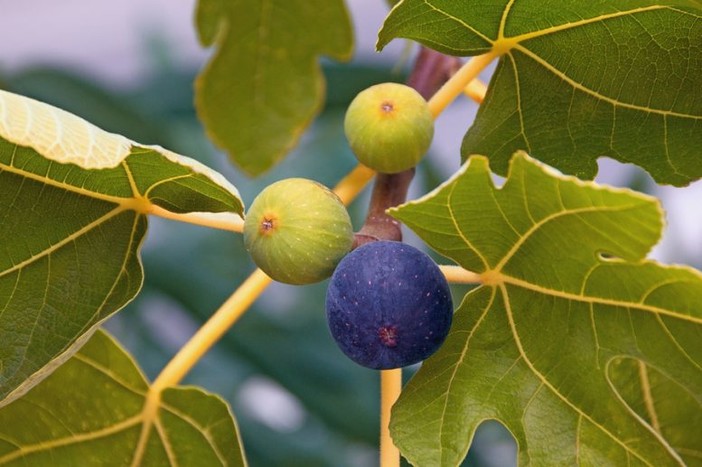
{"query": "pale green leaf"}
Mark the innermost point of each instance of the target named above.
(567, 294)
(73, 205)
(95, 410)
(577, 81)
(264, 84)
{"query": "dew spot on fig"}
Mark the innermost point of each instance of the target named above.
(388, 336)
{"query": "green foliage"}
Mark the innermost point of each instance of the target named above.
(585, 350)
(568, 299)
(576, 83)
(59, 280)
(91, 411)
(310, 369)
(257, 96)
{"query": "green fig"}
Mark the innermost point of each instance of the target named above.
(389, 127)
(297, 231)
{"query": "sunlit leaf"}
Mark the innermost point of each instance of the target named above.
(577, 81)
(567, 294)
(95, 410)
(264, 84)
(73, 206)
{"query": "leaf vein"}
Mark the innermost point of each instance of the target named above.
(107, 372)
(452, 379)
(64, 186)
(584, 22)
(69, 238)
(597, 300)
(601, 97)
(459, 21)
(202, 429)
(452, 215)
(554, 391)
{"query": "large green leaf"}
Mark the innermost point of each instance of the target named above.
(73, 206)
(264, 85)
(577, 81)
(567, 295)
(96, 410)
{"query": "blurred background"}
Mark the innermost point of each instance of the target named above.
(128, 67)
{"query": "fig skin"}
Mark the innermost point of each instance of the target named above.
(389, 127)
(297, 231)
(388, 305)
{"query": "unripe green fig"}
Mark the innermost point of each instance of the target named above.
(297, 230)
(389, 127)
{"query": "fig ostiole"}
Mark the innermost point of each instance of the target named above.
(297, 231)
(388, 305)
(389, 127)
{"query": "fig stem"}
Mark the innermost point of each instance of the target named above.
(459, 82)
(431, 70)
(390, 388)
(476, 90)
(227, 314)
(389, 190)
(458, 275)
(220, 220)
(353, 183)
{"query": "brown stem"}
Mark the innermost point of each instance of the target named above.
(389, 190)
(430, 71)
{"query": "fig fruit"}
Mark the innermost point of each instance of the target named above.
(297, 231)
(388, 305)
(389, 127)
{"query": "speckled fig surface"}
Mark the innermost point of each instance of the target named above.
(388, 305)
(297, 231)
(389, 127)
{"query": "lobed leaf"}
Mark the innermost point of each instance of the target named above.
(96, 410)
(264, 85)
(546, 345)
(577, 81)
(73, 205)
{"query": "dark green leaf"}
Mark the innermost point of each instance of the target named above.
(577, 82)
(73, 206)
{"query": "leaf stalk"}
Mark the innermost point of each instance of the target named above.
(458, 275)
(221, 220)
(390, 388)
(459, 82)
